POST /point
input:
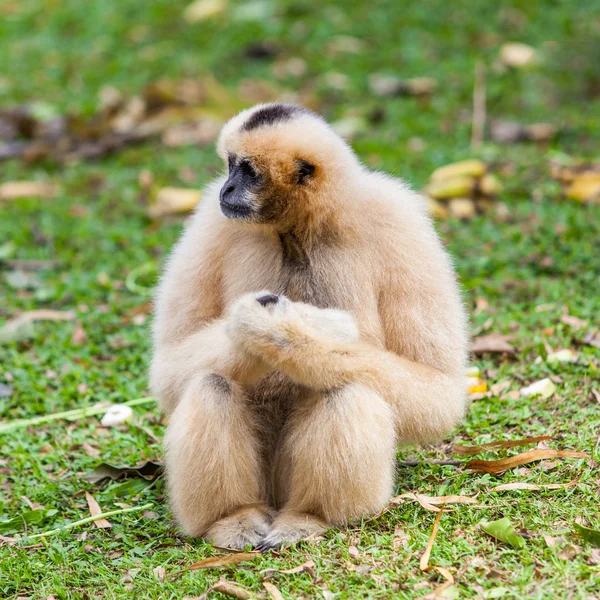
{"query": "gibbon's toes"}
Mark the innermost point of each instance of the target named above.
(267, 299)
(247, 526)
(289, 528)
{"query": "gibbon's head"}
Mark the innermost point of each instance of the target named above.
(283, 162)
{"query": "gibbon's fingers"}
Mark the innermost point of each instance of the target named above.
(260, 315)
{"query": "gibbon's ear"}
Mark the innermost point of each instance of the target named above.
(305, 170)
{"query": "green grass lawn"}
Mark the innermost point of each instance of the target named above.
(523, 268)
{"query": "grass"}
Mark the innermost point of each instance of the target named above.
(530, 267)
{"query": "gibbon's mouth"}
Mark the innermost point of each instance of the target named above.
(235, 211)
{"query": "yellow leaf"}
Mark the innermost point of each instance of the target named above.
(203, 9)
(473, 168)
(173, 201)
(222, 561)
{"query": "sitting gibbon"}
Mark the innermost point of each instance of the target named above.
(308, 322)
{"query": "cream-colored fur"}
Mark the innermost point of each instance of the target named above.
(298, 405)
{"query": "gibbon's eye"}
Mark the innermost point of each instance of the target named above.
(231, 162)
(248, 169)
(305, 170)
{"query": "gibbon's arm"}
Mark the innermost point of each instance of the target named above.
(189, 331)
(427, 402)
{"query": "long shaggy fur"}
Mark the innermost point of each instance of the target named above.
(297, 405)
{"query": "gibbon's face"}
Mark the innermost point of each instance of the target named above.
(251, 194)
(272, 167)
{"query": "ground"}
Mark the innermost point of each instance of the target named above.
(524, 268)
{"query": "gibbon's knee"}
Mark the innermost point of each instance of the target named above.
(211, 454)
(339, 455)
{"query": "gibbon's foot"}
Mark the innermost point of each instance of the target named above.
(269, 318)
(247, 526)
(289, 528)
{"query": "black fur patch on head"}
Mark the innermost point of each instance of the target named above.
(272, 114)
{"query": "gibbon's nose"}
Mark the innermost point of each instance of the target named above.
(226, 190)
(268, 299)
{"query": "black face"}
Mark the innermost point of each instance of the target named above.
(238, 192)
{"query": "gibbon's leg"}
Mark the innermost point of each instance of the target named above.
(427, 403)
(215, 478)
(336, 463)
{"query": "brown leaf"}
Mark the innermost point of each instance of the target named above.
(233, 591)
(530, 486)
(493, 342)
(592, 338)
(308, 566)
(424, 560)
(96, 510)
(471, 450)
(78, 336)
(499, 466)
(574, 322)
(273, 592)
(159, 573)
(26, 189)
(213, 562)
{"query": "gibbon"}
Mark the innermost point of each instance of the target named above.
(309, 321)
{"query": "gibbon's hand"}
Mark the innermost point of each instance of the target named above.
(265, 318)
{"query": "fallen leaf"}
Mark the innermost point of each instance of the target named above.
(5, 391)
(78, 336)
(308, 566)
(470, 168)
(424, 560)
(173, 201)
(592, 338)
(199, 10)
(148, 470)
(26, 189)
(594, 558)
(503, 530)
(159, 573)
(429, 502)
(273, 592)
(21, 327)
(23, 280)
(233, 591)
(499, 466)
(530, 486)
(213, 562)
(96, 510)
(564, 355)
(574, 322)
(518, 55)
(589, 535)
(471, 450)
(507, 132)
(492, 342)
(353, 552)
(116, 414)
(544, 388)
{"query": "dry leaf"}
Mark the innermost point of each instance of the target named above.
(471, 450)
(308, 566)
(353, 552)
(492, 342)
(429, 502)
(78, 336)
(424, 560)
(21, 327)
(159, 573)
(472, 168)
(499, 466)
(200, 10)
(25, 189)
(233, 591)
(222, 561)
(564, 355)
(96, 510)
(533, 487)
(592, 338)
(574, 322)
(515, 54)
(544, 388)
(273, 592)
(173, 201)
